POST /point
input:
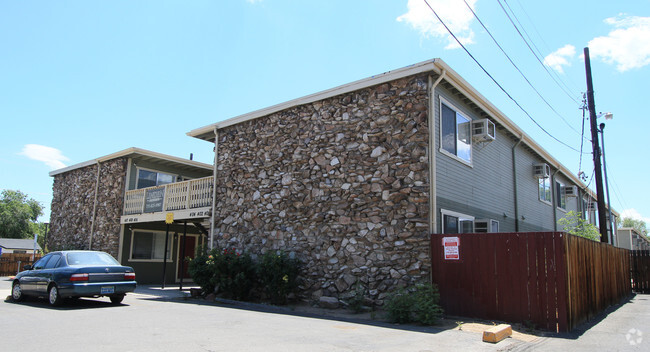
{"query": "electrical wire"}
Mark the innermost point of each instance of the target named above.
(520, 72)
(495, 81)
(534, 53)
(574, 87)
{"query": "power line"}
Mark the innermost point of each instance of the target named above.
(534, 53)
(574, 88)
(520, 72)
(495, 81)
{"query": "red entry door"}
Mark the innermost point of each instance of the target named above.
(190, 251)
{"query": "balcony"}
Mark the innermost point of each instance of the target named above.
(186, 200)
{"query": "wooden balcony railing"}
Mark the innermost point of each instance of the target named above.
(174, 196)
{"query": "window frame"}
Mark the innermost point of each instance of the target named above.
(152, 260)
(548, 189)
(560, 196)
(443, 101)
(445, 212)
(137, 176)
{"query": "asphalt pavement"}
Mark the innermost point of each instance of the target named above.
(156, 319)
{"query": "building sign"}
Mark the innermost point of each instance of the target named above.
(169, 218)
(451, 247)
(153, 200)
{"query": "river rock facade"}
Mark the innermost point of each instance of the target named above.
(73, 202)
(341, 183)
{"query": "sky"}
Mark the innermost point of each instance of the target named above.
(81, 79)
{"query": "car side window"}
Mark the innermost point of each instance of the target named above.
(53, 262)
(40, 264)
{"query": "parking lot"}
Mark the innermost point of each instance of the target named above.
(160, 320)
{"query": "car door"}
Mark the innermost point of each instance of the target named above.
(46, 275)
(30, 277)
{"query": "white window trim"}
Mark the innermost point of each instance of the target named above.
(444, 212)
(137, 173)
(555, 195)
(539, 194)
(171, 243)
(441, 149)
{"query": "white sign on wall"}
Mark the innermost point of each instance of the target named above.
(451, 247)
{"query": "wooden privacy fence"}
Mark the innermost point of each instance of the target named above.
(12, 263)
(640, 265)
(552, 280)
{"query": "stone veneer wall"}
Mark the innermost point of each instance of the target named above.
(72, 207)
(342, 184)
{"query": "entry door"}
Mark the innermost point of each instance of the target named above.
(190, 251)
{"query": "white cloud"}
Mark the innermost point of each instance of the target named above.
(52, 157)
(453, 12)
(627, 46)
(560, 58)
(634, 214)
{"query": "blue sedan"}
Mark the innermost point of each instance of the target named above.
(72, 274)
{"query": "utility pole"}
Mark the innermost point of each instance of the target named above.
(598, 170)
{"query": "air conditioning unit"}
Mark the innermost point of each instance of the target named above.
(483, 130)
(486, 225)
(570, 191)
(542, 170)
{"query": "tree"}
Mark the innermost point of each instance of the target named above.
(575, 224)
(18, 214)
(638, 225)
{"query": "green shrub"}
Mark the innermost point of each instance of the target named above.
(235, 275)
(278, 274)
(355, 303)
(202, 270)
(420, 304)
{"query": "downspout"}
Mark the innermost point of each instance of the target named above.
(433, 223)
(555, 200)
(92, 222)
(214, 187)
(514, 181)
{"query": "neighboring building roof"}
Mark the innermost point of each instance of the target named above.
(436, 66)
(141, 153)
(18, 243)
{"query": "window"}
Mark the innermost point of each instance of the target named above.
(545, 190)
(148, 178)
(560, 196)
(40, 264)
(453, 222)
(149, 246)
(455, 134)
(53, 262)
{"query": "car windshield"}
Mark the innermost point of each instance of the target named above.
(91, 258)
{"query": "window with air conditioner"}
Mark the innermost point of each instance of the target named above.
(455, 133)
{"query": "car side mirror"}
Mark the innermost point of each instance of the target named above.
(28, 267)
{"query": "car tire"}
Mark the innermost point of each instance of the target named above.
(54, 297)
(117, 299)
(17, 292)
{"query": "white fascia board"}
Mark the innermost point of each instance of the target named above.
(130, 152)
(346, 88)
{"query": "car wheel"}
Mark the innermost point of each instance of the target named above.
(117, 299)
(17, 292)
(54, 296)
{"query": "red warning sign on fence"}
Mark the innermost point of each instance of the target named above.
(451, 246)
